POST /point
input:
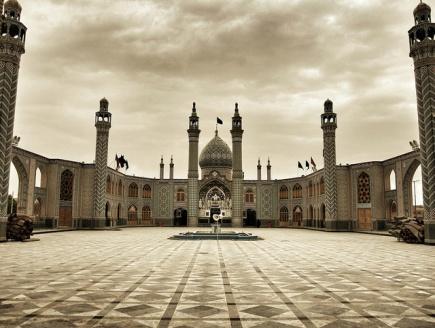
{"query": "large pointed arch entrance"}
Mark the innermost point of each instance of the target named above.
(412, 190)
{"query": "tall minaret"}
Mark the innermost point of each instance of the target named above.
(329, 125)
(237, 190)
(269, 170)
(103, 123)
(162, 169)
(259, 170)
(12, 41)
(171, 169)
(422, 44)
(192, 175)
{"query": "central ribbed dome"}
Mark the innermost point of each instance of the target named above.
(216, 154)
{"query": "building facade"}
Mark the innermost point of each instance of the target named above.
(363, 196)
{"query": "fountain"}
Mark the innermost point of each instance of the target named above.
(215, 233)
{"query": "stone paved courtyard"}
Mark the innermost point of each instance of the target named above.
(293, 278)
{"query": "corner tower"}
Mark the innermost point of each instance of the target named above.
(237, 191)
(329, 125)
(422, 51)
(192, 174)
(12, 41)
(103, 123)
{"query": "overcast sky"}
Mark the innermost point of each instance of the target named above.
(280, 60)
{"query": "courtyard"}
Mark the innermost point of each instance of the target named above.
(137, 277)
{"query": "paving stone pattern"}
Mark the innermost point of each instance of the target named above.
(293, 278)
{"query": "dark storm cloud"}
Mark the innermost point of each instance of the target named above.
(279, 59)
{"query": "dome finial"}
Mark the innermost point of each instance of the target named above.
(194, 107)
(422, 13)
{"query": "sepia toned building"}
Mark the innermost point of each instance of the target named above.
(353, 197)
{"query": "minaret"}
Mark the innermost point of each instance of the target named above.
(171, 169)
(12, 41)
(329, 125)
(422, 51)
(237, 191)
(259, 170)
(192, 175)
(103, 123)
(162, 169)
(269, 170)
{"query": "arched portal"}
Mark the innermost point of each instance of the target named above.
(251, 218)
(132, 215)
(283, 217)
(180, 217)
(322, 215)
(392, 210)
(214, 198)
(23, 185)
(108, 214)
(413, 190)
(146, 216)
(37, 209)
(297, 216)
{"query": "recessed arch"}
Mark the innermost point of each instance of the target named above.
(23, 185)
(132, 215)
(297, 215)
(412, 189)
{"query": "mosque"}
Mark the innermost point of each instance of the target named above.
(362, 196)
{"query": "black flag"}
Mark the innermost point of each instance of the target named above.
(121, 162)
(219, 121)
(300, 166)
(312, 162)
(307, 165)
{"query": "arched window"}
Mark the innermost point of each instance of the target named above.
(283, 192)
(119, 188)
(297, 191)
(283, 214)
(132, 215)
(146, 191)
(322, 186)
(310, 189)
(364, 188)
(66, 185)
(146, 212)
(38, 178)
(180, 195)
(132, 190)
(108, 185)
(311, 211)
(393, 180)
(249, 196)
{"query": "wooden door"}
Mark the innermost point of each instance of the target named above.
(365, 219)
(65, 216)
